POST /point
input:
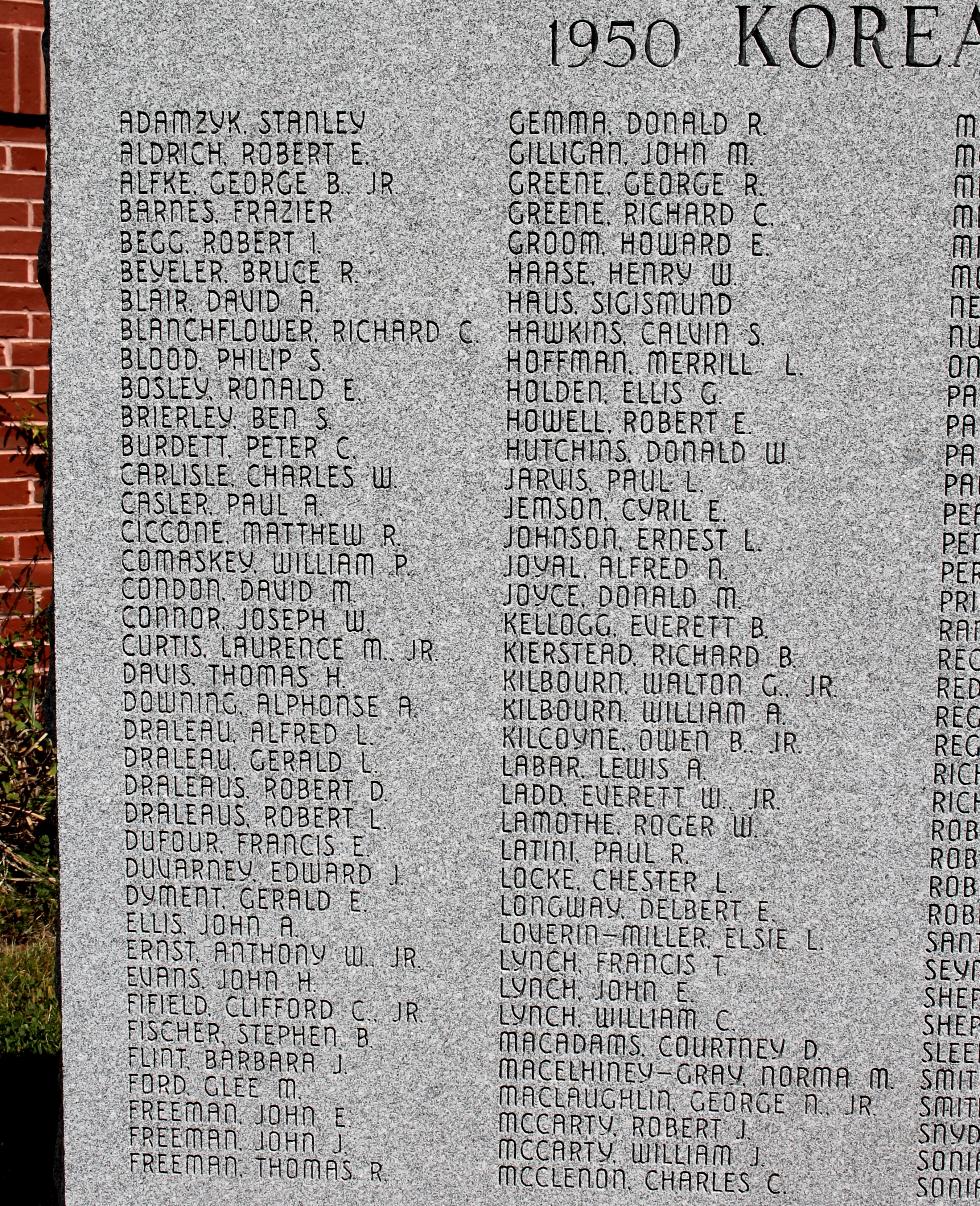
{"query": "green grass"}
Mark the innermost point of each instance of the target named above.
(30, 1021)
(29, 1017)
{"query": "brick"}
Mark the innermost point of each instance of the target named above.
(8, 71)
(22, 297)
(18, 601)
(14, 466)
(19, 412)
(16, 460)
(15, 213)
(30, 72)
(19, 326)
(42, 573)
(26, 352)
(17, 625)
(16, 578)
(27, 158)
(20, 520)
(21, 186)
(34, 576)
(8, 548)
(14, 269)
(22, 408)
(27, 628)
(22, 13)
(14, 380)
(16, 494)
(37, 215)
(15, 574)
(19, 242)
(19, 409)
(26, 135)
(42, 379)
(39, 411)
(31, 411)
(40, 326)
(30, 547)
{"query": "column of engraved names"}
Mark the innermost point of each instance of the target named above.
(948, 1085)
(644, 695)
(251, 841)
(180, 789)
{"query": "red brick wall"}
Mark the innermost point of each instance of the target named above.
(25, 566)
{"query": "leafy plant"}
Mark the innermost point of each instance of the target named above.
(28, 785)
(29, 1013)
